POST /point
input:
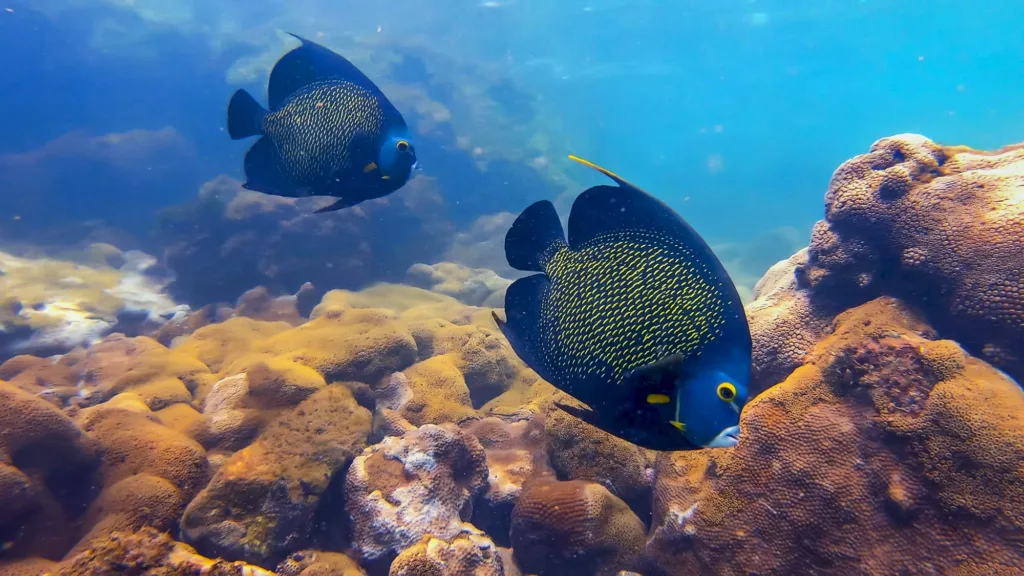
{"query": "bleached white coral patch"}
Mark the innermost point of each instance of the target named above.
(53, 305)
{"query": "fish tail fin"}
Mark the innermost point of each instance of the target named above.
(534, 237)
(245, 116)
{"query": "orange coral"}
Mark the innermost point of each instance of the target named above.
(468, 554)
(884, 453)
(260, 504)
(942, 226)
(574, 527)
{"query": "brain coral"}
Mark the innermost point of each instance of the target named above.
(940, 226)
(885, 453)
(574, 528)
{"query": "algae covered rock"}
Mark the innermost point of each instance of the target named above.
(259, 506)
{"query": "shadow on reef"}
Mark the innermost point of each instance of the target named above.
(393, 431)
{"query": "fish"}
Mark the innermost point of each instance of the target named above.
(329, 131)
(634, 316)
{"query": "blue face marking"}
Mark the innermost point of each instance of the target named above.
(397, 159)
(709, 405)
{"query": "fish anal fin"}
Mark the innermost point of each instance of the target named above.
(534, 237)
(586, 414)
(263, 171)
(339, 205)
(524, 300)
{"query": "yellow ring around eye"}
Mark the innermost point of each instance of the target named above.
(726, 392)
(402, 146)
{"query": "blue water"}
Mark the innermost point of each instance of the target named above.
(734, 112)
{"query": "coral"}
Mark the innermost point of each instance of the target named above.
(405, 487)
(141, 365)
(430, 392)
(785, 322)
(232, 239)
(579, 451)
(470, 554)
(574, 527)
(28, 567)
(47, 475)
(149, 552)
(50, 306)
(134, 442)
(317, 563)
(472, 286)
(942, 226)
(886, 452)
(514, 447)
(260, 504)
(129, 505)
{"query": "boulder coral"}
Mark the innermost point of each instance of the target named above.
(260, 504)
(393, 431)
(888, 451)
(230, 240)
(942, 226)
(574, 528)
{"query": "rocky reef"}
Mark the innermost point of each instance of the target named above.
(392, 430)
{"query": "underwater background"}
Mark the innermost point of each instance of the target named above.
(200, 377)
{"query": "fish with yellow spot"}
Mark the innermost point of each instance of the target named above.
(634, 316)
(330, 131)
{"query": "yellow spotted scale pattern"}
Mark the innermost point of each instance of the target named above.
(626, 299)
(314, 130)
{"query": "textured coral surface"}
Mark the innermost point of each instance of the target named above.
(940, 225)
(392, 430)
(887, 452)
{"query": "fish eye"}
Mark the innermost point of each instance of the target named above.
(726, 392)
(402, 146)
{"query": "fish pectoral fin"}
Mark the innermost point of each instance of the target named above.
(657, 378)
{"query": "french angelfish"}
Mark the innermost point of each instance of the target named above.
(634, 317)
(330, 131)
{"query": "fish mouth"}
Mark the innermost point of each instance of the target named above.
(726, 438)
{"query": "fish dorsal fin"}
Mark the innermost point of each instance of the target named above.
(534, 237)
(608, 209)
(311, 63)
(603, 209)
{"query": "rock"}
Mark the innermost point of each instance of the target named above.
(259, 506)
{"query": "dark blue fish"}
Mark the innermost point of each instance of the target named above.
(634, 316)
(330, 131)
